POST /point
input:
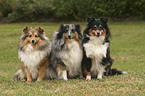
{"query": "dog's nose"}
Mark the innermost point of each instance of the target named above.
(33, 41)
(69, 36)
(98, 33)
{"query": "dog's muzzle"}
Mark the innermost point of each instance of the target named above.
(33, 41)
(69, 36)
(98, 33)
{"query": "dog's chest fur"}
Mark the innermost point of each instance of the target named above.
(72, 57)
(31, 59)
(96, 50)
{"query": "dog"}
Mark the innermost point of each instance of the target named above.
(67, 54)
(97, 61)
(33, 50)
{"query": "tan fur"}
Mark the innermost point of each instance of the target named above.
(42, 68)
(87, 73)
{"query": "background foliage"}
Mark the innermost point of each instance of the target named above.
(35, 10)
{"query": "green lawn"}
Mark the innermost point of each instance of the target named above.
(127, 49)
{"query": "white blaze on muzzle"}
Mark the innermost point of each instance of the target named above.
(98, 33)
(70, 27)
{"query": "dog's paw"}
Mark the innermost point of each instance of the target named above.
(65, 79)
(38, 81)
(23, 80)
(88, 77)
(29, 80)
(99, 78)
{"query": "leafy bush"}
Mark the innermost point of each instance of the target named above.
(30, 10)
(5, 7)
(81, 9)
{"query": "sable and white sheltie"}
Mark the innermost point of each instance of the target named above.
(97, 61)
(33, 50)
(67, 54)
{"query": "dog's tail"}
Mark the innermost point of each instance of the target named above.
(117, 72)
(19, 75)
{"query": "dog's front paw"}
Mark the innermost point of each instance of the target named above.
(88, 77)
(38, 81)
(65, 79)
(29, 80)
(23, 80)
(99, 77)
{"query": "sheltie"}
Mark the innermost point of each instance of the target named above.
(97, 61)
(66, 54)
(33, 50)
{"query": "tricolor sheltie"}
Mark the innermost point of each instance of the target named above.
(66, 54)
(97, 61)
(33, 50)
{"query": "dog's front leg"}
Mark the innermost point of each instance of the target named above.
(100, 72)
(42, 69)
(88, 74)
(28, 74)
(41, 73)
(62, 74)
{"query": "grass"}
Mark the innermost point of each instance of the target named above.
(127, 49)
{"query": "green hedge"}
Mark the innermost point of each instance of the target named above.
(32, 10)
(115, 9)
(5, 7)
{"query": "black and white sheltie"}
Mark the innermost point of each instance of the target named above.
(67, 54)
(96, 49)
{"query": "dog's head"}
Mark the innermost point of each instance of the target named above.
(69, 31)
(33, 36)
(97, 27)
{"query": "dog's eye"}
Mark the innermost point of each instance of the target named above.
(72, 30)
(30, 35)
(66, 31)
(36, 36)
(100, 26)
(95, 27)
(93, 33)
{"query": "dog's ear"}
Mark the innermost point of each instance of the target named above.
(77, 27)
(90, 20)
(40, 30)
(61, 27)
(26, 29)
(60, 31)
(105, 20)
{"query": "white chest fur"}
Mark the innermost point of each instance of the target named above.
(31, 59)
(72, 58)
(96, 51)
